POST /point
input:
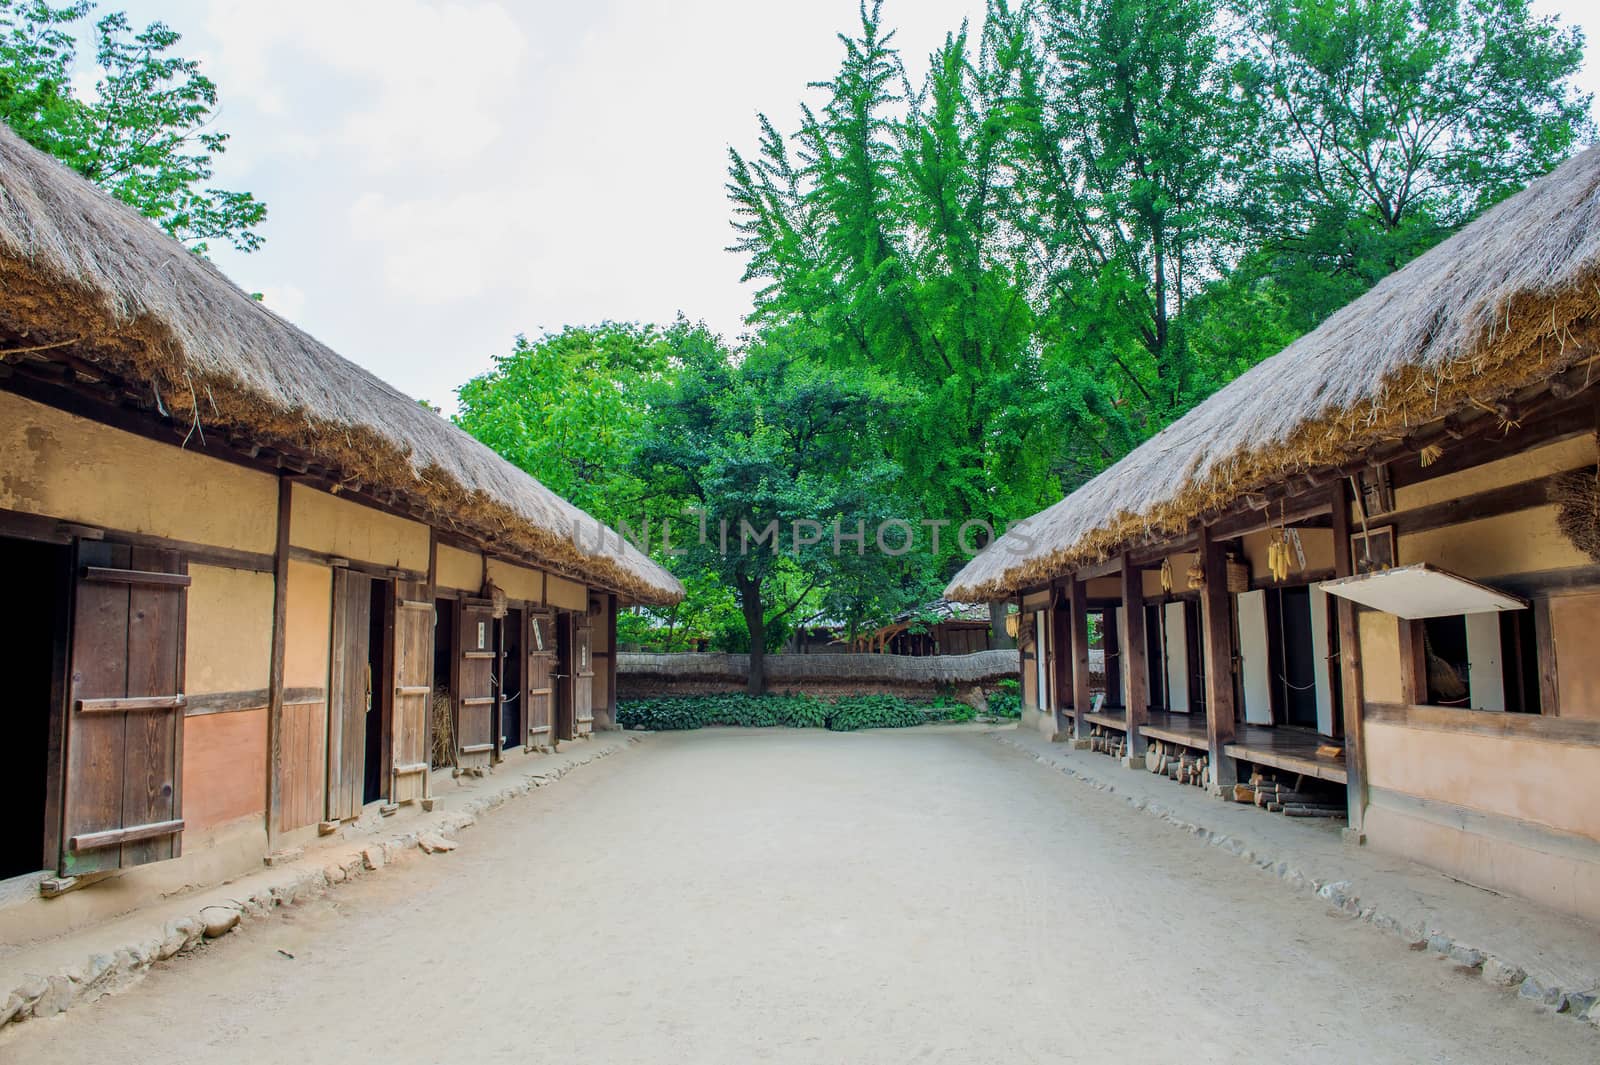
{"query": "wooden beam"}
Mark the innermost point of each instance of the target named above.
(1217, 629)
(1292, 512)
(1355, 743)
(1136, 697)
(1544, 641)
(1078, 618)
(1103, 568)
(1507, 499)
(1413, 662)
(1568, 731)
(280, 619)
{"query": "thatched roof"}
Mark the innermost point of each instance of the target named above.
(77, 265)
(1500, 306)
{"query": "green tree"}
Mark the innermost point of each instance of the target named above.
(144, 134)
(1134, 130)
(572, 409)
(775, 454)
(1390, 123)
(876, 227)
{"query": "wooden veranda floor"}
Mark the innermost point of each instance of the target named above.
(1293, 750)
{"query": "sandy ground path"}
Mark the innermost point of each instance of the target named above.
(800, 896)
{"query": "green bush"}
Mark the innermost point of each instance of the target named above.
(873, 711)
(848, 714)
(660, 715)
(1005, 704)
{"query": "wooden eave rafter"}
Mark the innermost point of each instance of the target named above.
(1555, 409)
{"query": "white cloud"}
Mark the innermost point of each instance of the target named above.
(287, 300)
(388, 79)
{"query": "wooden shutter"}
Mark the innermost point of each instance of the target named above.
(540, 684)
(583, 673)
(476, 704)
(349, 688)
(122, 801)
(412, 655)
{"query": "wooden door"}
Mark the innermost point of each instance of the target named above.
(540, 682)
(583, 674)
(121, 796)
(349, 692)
(411, 716)
(476, 705)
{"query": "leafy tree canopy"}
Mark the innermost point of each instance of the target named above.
(144, 133)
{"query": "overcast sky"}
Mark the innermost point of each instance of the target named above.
(443, 176)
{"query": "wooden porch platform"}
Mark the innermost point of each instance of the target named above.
(1292, 750)
(1186, 730)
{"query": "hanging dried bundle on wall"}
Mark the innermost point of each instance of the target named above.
(1577, 498)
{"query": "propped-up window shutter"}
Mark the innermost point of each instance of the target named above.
(124, 737)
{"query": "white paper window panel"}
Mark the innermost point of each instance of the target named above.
(1486, 685)
(1176, 628)
(1256, 660)
(1321, 666)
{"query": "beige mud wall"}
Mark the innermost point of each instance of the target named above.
(304, 768)
(228, 649)
(459, 570)
(518, 582)
(1506, 813)
(1317, 544)
(332, 526)
(568, 595)
(67, 467)
(1103, 588)
(1525, 541)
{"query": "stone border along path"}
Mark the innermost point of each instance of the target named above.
(1548, 958)
(128, 947)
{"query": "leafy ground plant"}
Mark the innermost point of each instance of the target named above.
(847, 714)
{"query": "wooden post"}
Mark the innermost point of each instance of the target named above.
(280, 620)
(1218, 644)
(611, 658)
(1355, 758)
(1544, 641)
(1136, 694)
(1078, 608)
(1413, 663)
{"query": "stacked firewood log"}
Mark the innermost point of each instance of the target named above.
(1276, 796)
(1108, 741)
(1178, 763)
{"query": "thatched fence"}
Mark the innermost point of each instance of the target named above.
(641, 675)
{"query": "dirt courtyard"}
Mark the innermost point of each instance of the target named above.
(919, 895)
